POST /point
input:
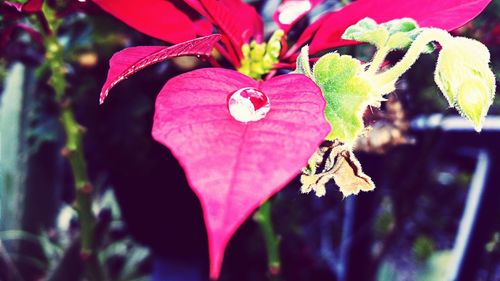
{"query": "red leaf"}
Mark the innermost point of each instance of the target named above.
(197, 6)
(291, 11)
(238, 21)
(30, 6)
(203, 27)
(232, 166)
(445, 14)
(130, 60)
(157, 18)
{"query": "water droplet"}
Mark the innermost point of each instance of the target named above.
(248, 104)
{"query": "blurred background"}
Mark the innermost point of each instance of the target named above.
(435, 214)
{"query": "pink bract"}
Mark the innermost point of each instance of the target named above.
(234, 167)
(156, 18)
(238, 22)
(128, 61)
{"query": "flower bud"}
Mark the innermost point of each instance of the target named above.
(473, 101)
(463, 75)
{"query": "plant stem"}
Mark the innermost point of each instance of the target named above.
(73, 151)
(263, 217)
(378, 60)
(416, 48)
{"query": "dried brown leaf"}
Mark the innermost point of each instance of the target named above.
(335, 161)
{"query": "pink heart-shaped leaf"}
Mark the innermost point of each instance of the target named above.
(232, 166)
(130, 60)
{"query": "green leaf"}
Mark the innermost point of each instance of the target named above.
(393, 35)
(347, 94)
(303, 66)
(423, 247)
(464, 77)
(368, 31)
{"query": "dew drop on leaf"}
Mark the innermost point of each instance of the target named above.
(248, 104)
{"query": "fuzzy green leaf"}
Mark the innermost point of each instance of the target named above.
(393, 35)
(346, 93)
(368, 31)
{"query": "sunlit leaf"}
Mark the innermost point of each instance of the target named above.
(346, 93)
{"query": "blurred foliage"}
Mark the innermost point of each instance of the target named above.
(423, 247)
(436, 267)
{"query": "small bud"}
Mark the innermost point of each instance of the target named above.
(473, 102)
(259, 58)
(463, 75)
(258, 51)
(274, 44)
(245, 49)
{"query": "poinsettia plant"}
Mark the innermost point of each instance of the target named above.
(242, 133)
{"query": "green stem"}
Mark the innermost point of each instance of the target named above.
(378, 60)
(416, 48)
(263, 217)
(73, 151)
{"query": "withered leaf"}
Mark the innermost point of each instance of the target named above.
(349, 176)
(335, 161)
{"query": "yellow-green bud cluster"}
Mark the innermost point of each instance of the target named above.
(259, 58)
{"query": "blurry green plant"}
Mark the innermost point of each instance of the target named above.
(494, 243)
(59, 260)
(385, 220)
(423, 247)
